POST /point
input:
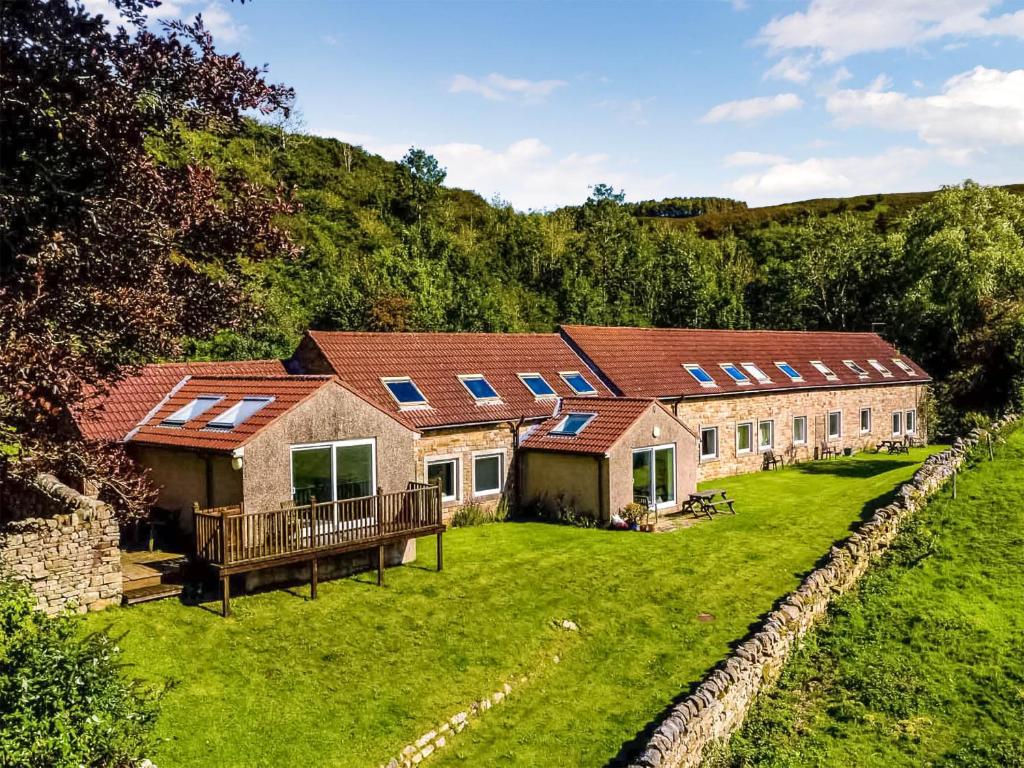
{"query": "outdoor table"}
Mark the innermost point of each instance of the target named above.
(892, 446)
(704, 502)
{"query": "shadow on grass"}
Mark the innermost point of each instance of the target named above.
(851, 468)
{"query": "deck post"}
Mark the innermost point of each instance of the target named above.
(225, 595)
(313, 574)
(380, 565)
(440, 552)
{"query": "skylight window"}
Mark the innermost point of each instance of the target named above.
(578, 384)
(405, 392)
(703, 377)
(480, 388)
(757, 373)
(855, 368)
(735, 374)
(880, 368)
(537, 384)
(903, 366)
(239, 412)
(192, 410)
(824, 370)
(790, 371)
(572, 424)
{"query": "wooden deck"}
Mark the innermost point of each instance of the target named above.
(234, 540)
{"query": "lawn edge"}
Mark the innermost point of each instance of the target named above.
(719, 704)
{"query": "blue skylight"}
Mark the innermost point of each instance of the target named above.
(239, 412)
(790, 371)
(573, 424)
(734, 373)
(578, 384)
(702, 376)
(405, 391)
(192, 410)
(479, 387)
(537, 384)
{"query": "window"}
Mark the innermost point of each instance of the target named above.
(709, 443)
(824, 370)
(405, 392)
(654, 475)
(334, 471)
(757, 373)
(192, 410)
(239, 412)
(865, 420)
(444, 473)
(577, 383)
(735, 374)
(897, 422)
(904, 366)
(538, 385)
(703, 377)
(855, 368)
(488, 474)
(880, 368)
(911, 422)
(765, 435)
(745, 437)
(480, 388)
(835, 425)
(799, 430)
(790, 371)
(572, 424)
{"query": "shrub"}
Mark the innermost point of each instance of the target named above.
(64, 700)
(634, 513)
(474, 514)
(558, 511)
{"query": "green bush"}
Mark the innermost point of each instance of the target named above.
(64, 699)
(474, 514)
(558, 511)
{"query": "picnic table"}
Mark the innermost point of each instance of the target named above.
(703, 502)
(892, 446)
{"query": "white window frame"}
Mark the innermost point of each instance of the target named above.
(824, 370)
(828, 425)
(896, 421)
(856, 367)
(907, 419)
(744, 382)
(771, 428)
(802, 441)
(465, 377)
(652, 449)
(864, 431)
(750, 438)
(559, 429)
(411, 406)
(457, 477)
(886, 373)
(524, 376)
(904, 366)
(780, 363)
(228, 420)
(592, 393)
(334, 445)
(501, 473)
(176, 420)
(708, 456)
(691, 367)
(755, 370)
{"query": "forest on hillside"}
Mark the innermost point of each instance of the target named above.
(387, 246)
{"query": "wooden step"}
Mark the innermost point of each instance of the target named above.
(137, 595)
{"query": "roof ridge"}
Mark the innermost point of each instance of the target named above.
(720, 330)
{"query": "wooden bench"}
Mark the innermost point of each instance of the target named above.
(703, 502)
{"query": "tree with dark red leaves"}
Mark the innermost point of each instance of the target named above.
(116, 244)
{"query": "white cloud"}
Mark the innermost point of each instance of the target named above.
(976, 108)
(795, 69)
(218, 20)
(221, 24)
(497, 87)
(632, 111)
(746, 110)
(737, 159)
(840, 28)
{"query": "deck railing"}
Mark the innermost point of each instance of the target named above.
(231, 536)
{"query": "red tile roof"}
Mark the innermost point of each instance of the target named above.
(648, 362)
(613, 418)
(286, 391)
(130, 400)
(434, 362)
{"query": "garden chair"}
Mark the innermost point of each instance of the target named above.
(828, 451)
(770, 460)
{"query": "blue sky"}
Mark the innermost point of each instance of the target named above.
(763, 101)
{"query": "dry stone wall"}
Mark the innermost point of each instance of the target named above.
(719, 704)
(63, 544)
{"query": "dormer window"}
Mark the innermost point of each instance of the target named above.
(735, 374)
(239, 412)
(191, 410)
(703, 377)
(480, 388)
(792, 373)
(577, 383)
(903, 366)
(824, 370)
(855, 368)
(760, 376)
(572, 424)
(405, 392)
(880, 368)
(537, 385)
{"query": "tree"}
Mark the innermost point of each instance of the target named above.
(117, 243)
(425, 177)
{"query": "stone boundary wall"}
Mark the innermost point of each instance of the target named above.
(63, 544)
(720, 703)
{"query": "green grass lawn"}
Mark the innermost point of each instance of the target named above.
(924, 664)
(351, 678)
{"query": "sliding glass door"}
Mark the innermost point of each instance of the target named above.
(654, 475)
(334, 471)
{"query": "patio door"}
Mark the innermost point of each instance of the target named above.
(654, 475)
(335, 471)
(355, 475)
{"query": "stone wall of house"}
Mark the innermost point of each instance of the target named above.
(63, 544)
(781, 408)
(720, 703)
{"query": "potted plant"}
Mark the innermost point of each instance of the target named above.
(635, 516)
